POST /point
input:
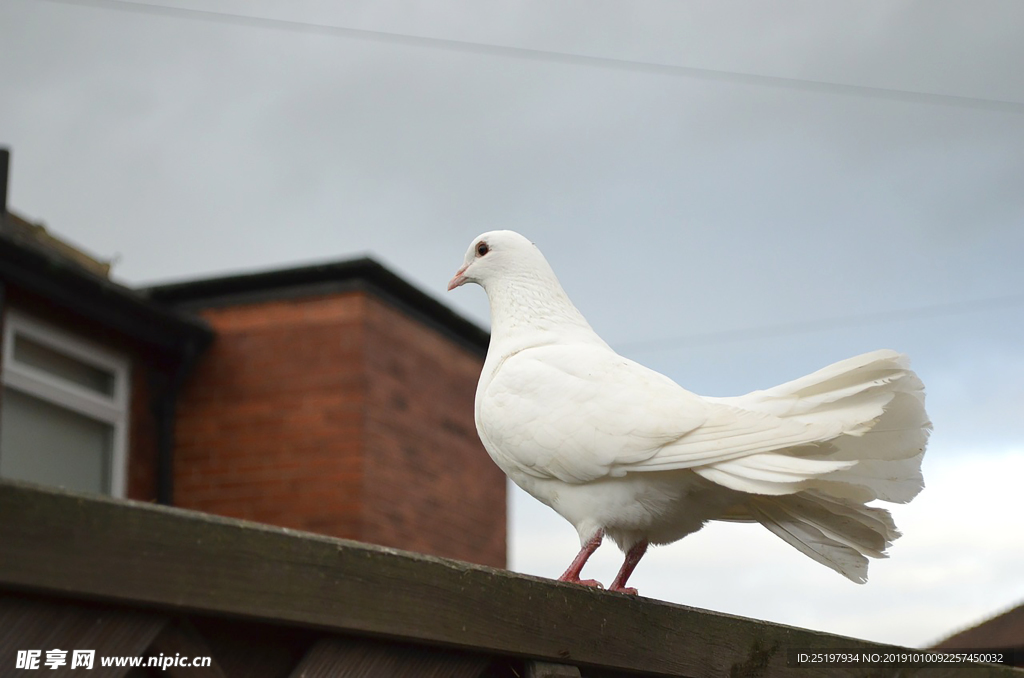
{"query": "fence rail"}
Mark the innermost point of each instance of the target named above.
(183, 579)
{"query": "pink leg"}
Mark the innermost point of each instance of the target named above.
(632, 558)
(573, 573)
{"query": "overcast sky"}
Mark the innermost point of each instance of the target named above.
(733, 193)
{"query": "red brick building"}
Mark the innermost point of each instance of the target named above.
(1001, 635)
(335, 398)
(338, 399)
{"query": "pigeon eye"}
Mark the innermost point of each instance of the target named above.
(482, 248)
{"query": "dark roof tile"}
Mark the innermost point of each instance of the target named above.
(339, 276)
(1003, 631)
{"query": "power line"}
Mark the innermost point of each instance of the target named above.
(526, 53)
(822, 324)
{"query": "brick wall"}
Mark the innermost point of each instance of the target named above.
(270, 423)
(339, 414)
(430, 485)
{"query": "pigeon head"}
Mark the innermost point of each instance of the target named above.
(498, 255)
(528, 305)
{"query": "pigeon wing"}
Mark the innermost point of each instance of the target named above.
(581, 413)
(577, 413)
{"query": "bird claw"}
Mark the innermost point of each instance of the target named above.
(628, 590)
(584, 582)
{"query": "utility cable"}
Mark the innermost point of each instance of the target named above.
(531, 54)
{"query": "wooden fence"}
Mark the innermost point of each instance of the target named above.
(130, 579)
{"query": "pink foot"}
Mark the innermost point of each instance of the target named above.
(584, 582)
(628, 590)
(633, 556)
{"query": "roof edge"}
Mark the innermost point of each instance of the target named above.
(989, 632)
(362, 273)
(116, 306)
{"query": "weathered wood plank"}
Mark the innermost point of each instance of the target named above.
(356, 658)
(32, 624)
(180, 638)
(254, 649)
(145, 555)
(549, 670)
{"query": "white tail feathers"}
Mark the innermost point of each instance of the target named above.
(813, 496)
(772, 473)
(838, 534)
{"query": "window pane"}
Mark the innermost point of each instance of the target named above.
(48, 444)
(41, 357)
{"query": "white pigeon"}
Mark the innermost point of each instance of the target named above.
(622, 451)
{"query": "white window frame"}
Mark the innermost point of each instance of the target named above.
(112, 409)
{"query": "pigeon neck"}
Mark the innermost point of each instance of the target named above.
(533, 310)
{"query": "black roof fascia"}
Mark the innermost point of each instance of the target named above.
(363, 274)
(112, 305)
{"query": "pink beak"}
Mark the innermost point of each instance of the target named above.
(458, 280)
